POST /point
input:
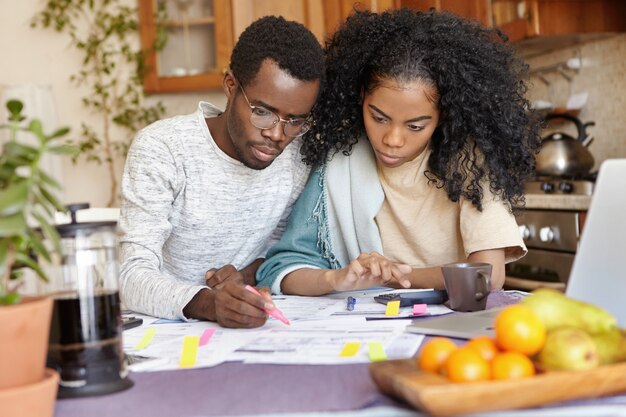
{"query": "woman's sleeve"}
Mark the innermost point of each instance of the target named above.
(493, 228)
(299, 246)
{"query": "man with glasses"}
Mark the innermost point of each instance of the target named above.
(206, 195)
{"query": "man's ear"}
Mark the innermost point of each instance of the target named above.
(229, 84)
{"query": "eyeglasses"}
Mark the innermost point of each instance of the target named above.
(262, 118)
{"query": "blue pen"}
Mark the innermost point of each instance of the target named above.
(350, 302)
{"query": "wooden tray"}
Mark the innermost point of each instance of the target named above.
(436, 395)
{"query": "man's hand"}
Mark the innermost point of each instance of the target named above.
(371, 269)
(237, 307)
(216, 278)
(230, 306)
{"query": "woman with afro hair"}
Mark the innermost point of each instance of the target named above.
(423, 141)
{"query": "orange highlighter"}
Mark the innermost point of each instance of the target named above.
(275, 312)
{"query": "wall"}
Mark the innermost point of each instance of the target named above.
(604, 76)
(44, 58)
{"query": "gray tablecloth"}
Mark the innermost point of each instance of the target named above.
(235, 389)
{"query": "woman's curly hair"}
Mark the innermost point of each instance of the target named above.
(486, 132)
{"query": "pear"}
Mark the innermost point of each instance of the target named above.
(557, 310)
(611, 346)
(568, 349)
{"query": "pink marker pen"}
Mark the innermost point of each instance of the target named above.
(275, 312)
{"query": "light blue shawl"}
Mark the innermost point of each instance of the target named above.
(333, 221)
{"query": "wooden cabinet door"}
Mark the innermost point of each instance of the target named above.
(207, 34)
(336, 11)
(308, 12)
(560, 17)
(471, 9)
(567, 17)
(521, 19)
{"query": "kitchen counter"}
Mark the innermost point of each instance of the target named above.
(558, 201)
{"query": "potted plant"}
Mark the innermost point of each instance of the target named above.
(27, 207)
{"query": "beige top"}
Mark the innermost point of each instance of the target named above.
(420, 226)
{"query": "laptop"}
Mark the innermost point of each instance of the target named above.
(598, 275)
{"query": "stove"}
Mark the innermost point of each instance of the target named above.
(551, 235)
(560, 186)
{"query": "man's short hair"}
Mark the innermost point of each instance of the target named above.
(291, 45)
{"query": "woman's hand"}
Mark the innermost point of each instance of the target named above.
(371, 269)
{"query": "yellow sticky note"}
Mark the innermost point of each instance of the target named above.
(393, 308)
(376, 351)
(147, 338)
(190, 351)
(350, 349)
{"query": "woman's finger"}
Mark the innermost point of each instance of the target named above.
(400, 273)
(374, 267)
(355, 271)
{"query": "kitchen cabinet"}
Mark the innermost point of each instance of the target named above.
(524, 19)
(201, 35)
(308, 12)
(530, 18)
(199, 40)
(471, 9)
(336, 11)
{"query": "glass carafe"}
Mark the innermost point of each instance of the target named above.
(86, 333)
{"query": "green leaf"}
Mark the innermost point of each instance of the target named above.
(13, 198)
(60, 132)
(10, 299)
(15, 107)
(49, 231)
(51, 198)
(16, 274)
(39, 248)
(6, 172)
(28, 261)
(35, 127)
(12, 225)
(4, 250)
(14, 149)
(47, 179)
(63, 150)
(43, 203)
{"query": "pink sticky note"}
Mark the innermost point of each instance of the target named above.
(419, 309)
(206, 336)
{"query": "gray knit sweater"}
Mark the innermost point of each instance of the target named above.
(188, 207)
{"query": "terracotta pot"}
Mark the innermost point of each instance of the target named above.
(24, 330)
(31, 400)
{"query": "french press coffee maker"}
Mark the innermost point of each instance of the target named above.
(86, 334)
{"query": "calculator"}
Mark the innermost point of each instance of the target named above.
(408, 299)
(131, 322)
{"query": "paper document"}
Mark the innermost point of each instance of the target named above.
(320, 329)
(322, 342)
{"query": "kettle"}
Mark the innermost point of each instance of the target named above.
(562, 155)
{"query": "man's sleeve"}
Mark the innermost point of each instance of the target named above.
(152, 179)
(298, 247)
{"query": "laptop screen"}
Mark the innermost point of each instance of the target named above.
(599, 272)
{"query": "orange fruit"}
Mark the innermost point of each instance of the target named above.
(511, 365)
(484, 345)
(519, 329)
(434, 353)
(466, 365)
